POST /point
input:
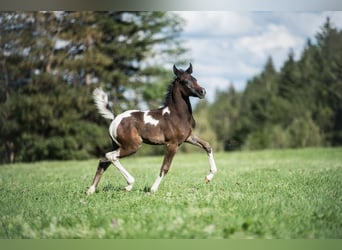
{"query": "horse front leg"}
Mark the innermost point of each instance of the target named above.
(194, 140)
(171, 150)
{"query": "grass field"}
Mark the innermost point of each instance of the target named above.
(261, 194)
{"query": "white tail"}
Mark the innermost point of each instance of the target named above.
(102, 104)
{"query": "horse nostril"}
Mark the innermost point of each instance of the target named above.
(203, 92)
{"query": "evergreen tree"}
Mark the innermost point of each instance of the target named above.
(224, 117)
(330, 95)
(289, 80)
(258, 101)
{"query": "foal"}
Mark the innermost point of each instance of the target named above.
(170, 125)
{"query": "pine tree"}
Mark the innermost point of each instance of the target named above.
(258, 99)
(224, 117)
(330, 95)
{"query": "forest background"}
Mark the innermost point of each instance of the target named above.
(50, 62)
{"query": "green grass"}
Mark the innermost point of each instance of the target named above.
(261, 194)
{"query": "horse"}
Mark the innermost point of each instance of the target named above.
(171, 125)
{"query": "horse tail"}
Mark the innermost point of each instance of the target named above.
(102, 104)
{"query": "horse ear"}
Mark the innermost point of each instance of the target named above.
(176, 71)
(189, 70)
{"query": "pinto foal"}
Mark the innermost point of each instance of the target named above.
(170, 125)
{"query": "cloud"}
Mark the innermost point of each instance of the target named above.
(237, 59)
(274, 37)
(307, 24)
(275, 41)
(214, 55)
(216, 23)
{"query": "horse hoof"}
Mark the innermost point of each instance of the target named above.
(91, 190)
(207, 180)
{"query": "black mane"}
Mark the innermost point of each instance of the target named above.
(168, 95)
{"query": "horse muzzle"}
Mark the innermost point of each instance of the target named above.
(201, 93)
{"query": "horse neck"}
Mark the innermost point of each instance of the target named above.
(180, 103)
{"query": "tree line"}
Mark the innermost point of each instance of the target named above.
(299, 106)
(50, 62)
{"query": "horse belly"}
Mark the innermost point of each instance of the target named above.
(152, 136)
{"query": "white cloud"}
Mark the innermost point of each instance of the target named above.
(275, 41)
(218, 57)
(336, 17)
(216, 23)
(307, 24)
(275, 37)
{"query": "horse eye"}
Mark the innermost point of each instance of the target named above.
(186, 82)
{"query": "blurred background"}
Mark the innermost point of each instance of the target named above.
(274, 79)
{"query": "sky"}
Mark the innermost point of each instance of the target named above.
(231, 47)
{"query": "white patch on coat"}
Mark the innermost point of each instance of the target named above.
(116, 122)
(149, 119)
(166, 110)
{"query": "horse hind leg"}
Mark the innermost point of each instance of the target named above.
(102, 167)
(170, 153)
(114, 158)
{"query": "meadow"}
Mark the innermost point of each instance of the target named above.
(283, 194)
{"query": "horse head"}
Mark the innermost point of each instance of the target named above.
(188, 83)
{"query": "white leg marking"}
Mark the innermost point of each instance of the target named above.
(149, 119)
(155, 185)
(213, 168)
(113, 157)
(129, 178)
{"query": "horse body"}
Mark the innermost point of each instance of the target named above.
(171, 125)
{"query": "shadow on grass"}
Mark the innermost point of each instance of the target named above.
(114, 188)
